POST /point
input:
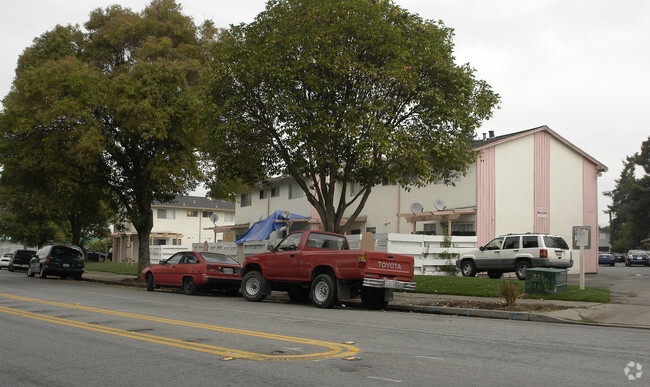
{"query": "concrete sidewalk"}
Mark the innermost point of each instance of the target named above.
(588, 313)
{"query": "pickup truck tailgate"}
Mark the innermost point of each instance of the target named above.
(396, 266)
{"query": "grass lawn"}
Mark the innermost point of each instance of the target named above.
(487, 287)
(113, 267)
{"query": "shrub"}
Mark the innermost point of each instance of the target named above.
(509, 291)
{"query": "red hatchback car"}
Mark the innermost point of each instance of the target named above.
(193, 271)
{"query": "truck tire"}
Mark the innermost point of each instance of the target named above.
(520, 269)
(467, 268)
(373, 298)
(323, 291)
(253, 286)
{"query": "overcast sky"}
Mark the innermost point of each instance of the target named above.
(578, 66)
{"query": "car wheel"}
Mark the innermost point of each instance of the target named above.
(627, 263)
(43, 273)
(253, 286)
(612, 264)
(30, 273)
(189, 286)
(323, 291)
(299, 295)
(10, 268)
(151, 284)
(495, 274)
(373, 298)
(520, 269)
(467, 268)
(77, 277)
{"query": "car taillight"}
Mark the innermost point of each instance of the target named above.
(47, 260)
(83, 264)
(362, 262)
(543, 253)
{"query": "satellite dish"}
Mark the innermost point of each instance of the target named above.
(214, 218)
(286, 214)
(416, 208)
(439, 204)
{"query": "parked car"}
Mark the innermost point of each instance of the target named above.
(606, 259)
(58, 259)
(618, 257)
(5, 260)
(516, 253)
(637, 257)
(20, 259)
(95, 256)
(194, 271)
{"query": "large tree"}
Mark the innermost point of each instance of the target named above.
(630, 206)
(136, 123)
(48, 148)
(333, 92)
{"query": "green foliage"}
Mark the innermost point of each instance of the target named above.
(630, 206)
(106, 116)
(509, 291)
(450, 265)
(336, 92)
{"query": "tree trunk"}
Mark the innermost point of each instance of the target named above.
(144, 232)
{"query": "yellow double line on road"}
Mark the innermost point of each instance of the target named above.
(335, 350)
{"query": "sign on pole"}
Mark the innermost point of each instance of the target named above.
(582, 240)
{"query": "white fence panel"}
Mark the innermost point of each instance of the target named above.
(158, 253)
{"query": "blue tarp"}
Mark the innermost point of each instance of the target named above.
(262, 229)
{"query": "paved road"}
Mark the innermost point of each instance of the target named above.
(71, 333)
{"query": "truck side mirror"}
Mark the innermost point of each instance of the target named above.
(482, 248)
(270, 247)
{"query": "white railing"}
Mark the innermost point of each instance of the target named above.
(160, 252)
(425, 249)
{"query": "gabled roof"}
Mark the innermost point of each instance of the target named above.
(199, 202)
(493, 141)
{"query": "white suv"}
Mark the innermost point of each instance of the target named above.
(516, 253)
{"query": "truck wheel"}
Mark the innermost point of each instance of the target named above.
(253, 285)
(323, 291)
(299, 295)
(43, 273)
(30, 273)
(495, 274)
(468, 268)
(520, 269)
(373, 298)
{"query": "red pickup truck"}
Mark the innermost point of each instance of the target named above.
(319, 266)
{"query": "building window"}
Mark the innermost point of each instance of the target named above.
(463, 229)
(354, 188)
(275, 192)
(245, 200)
(176, 242)
(295, 191)
(207, 214)
(429, 229)
(263, 194)
(385, 181)
(355, 232)
(159, 242)
(371, 229)
(192, 214)
(166, 214)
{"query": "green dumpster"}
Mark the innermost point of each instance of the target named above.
(546, 280)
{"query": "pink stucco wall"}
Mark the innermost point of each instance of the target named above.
(485, 196)
(542, 183)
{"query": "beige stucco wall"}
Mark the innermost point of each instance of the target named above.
(566, 190)
(514, 195)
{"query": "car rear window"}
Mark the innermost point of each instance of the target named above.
(64, 251)
(555, 242)
(218, 258)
